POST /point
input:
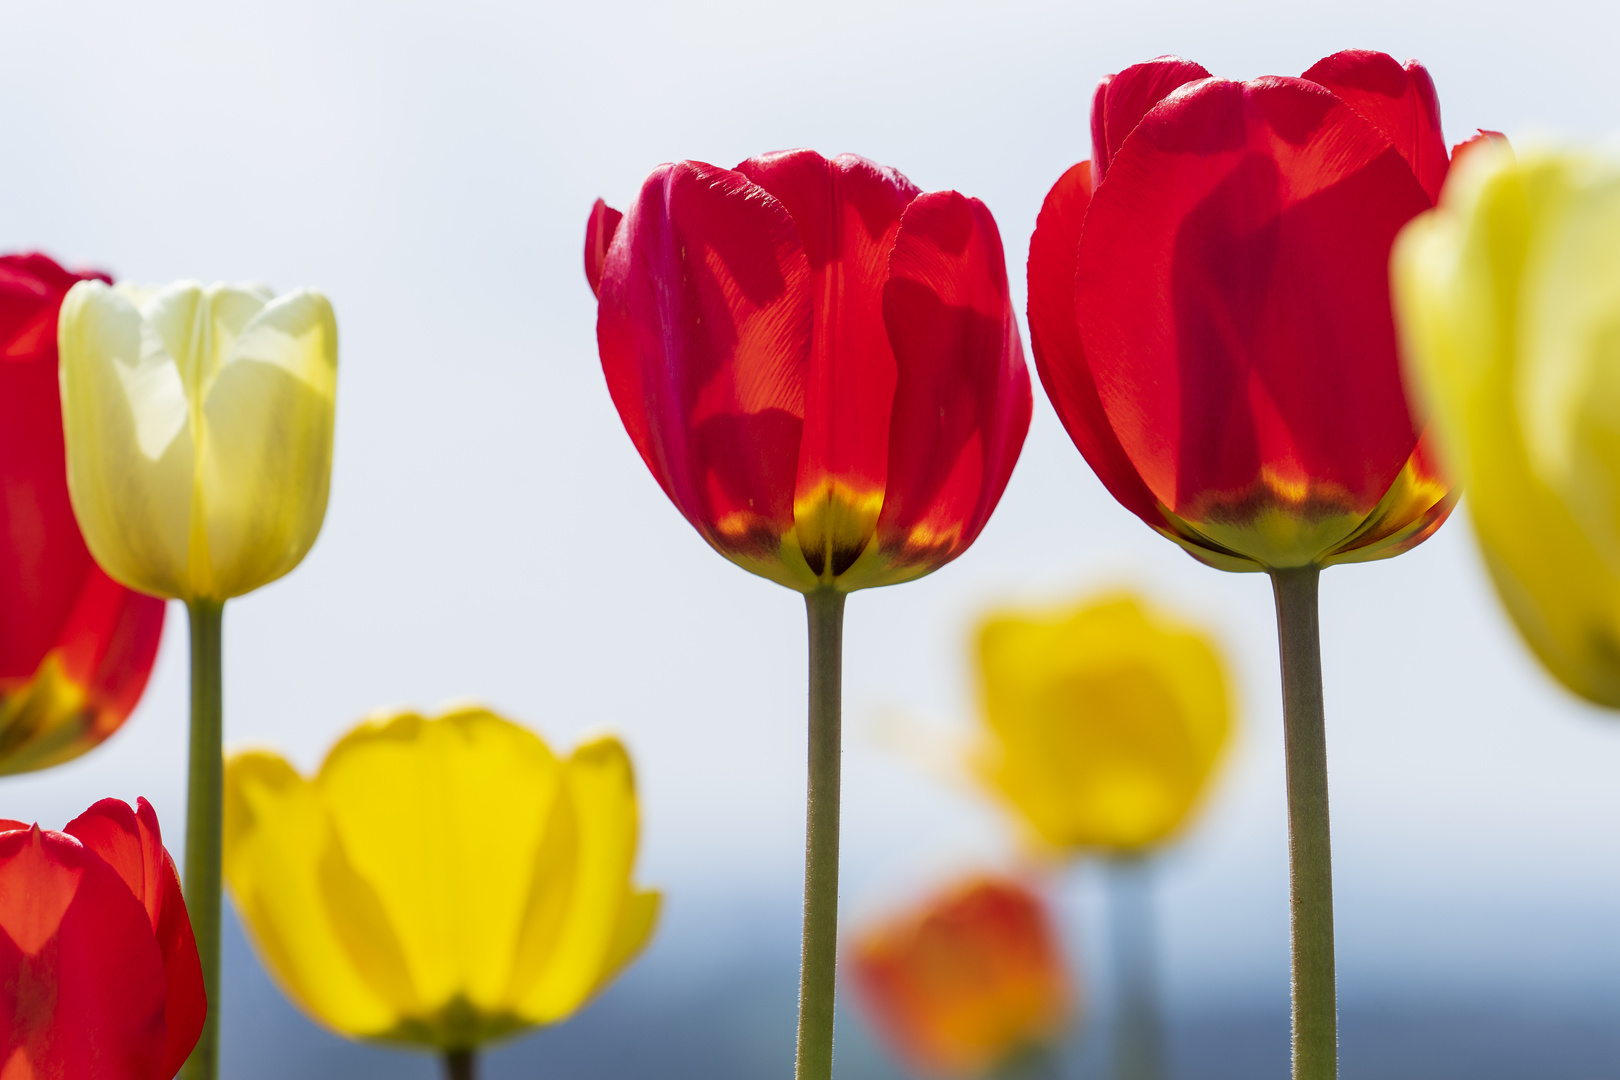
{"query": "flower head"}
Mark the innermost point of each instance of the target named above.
(199, 431)
(439, 882)
(75, 646)
(968, 980)
(1105, 721)
(1209, 307)
(818, 362)
(99, 975)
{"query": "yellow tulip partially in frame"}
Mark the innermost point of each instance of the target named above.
(1508, 299)
(198, 423)
(439, 883)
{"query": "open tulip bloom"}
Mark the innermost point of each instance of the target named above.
(99, 977)
(198, 425)
(439, 883)
(1210, 313)
(76, 647)
(820, 365)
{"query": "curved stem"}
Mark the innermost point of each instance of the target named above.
(204, 828)
(461, 1065)
(1138, 1049)
(819, 960)
(1310, 867)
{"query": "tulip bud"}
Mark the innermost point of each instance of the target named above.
(199, 431)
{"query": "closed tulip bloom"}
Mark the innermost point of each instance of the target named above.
(1509, 296)
(1209, 307)
(1105, 722)
(969, 981)
(199, 431)
(99, 978)
(76, 647)
(438, 883)
(818, 362)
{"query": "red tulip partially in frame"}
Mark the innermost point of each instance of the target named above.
(99, 975)
(817, 361)
(76, 648)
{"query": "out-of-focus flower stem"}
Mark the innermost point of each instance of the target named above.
(818, 963)
(204, 832)
(461, 1065)
(1138, 1049)
(1309, 854)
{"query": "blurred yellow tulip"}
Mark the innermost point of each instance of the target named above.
(1508, 296)
(1105, 721)
(440, 882)
(199, 431)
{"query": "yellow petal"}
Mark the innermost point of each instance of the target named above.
(130, 453)
(1105, 721)
(637, 920)
(267, 438)
(285, 868)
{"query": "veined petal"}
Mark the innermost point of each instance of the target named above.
(704, 328)
(131, 457)
(962, 401)
(266, 437)
(1233, 301)
(1120, 101)
(1399, 99)
(846, 212)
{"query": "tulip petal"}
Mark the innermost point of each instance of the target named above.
(846, 212)
(637, 920)
(1120, 101)
(287, 870)
(1233, 301)
(704, 328)
(962, 401)
(599, 230)
(81, 978)
(124, 413)
(1399, 99)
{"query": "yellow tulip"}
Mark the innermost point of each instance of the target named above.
(439, 882)
(1508, 296)
(199, 431)
(1105, 721)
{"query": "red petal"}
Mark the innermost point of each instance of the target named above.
(704, 327)
(599, 230)
(847, 213)
(962, 401)
(1400, 101)
(1121, 101)
(1054, 335)
(81, 977)
(8, 824)
(1233, 298)
(1484, 137)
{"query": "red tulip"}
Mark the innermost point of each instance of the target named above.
(968, 981)
(819, 363)
(99, 977)
(75, 647)
(1209, 306)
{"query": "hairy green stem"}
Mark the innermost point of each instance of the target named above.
(1310, 866)
(461, 1065)
(204, 828)
(818, 970)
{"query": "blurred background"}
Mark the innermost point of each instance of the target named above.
(492, 533)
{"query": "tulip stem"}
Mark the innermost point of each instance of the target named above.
(1310, 866)
(460, 1065)
(1138, 1050)
(204, 829)
(818, 962)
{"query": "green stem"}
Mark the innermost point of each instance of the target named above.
(204, 828)
(1310, 866)
(818, 969)
(1138, 1049)
(461, 1065)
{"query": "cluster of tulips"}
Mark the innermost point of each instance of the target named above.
(821, 366)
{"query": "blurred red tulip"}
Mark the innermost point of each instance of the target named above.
(99, 977)
(75, 647)
(1209, 307)
(819, 363)
(968, 982)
